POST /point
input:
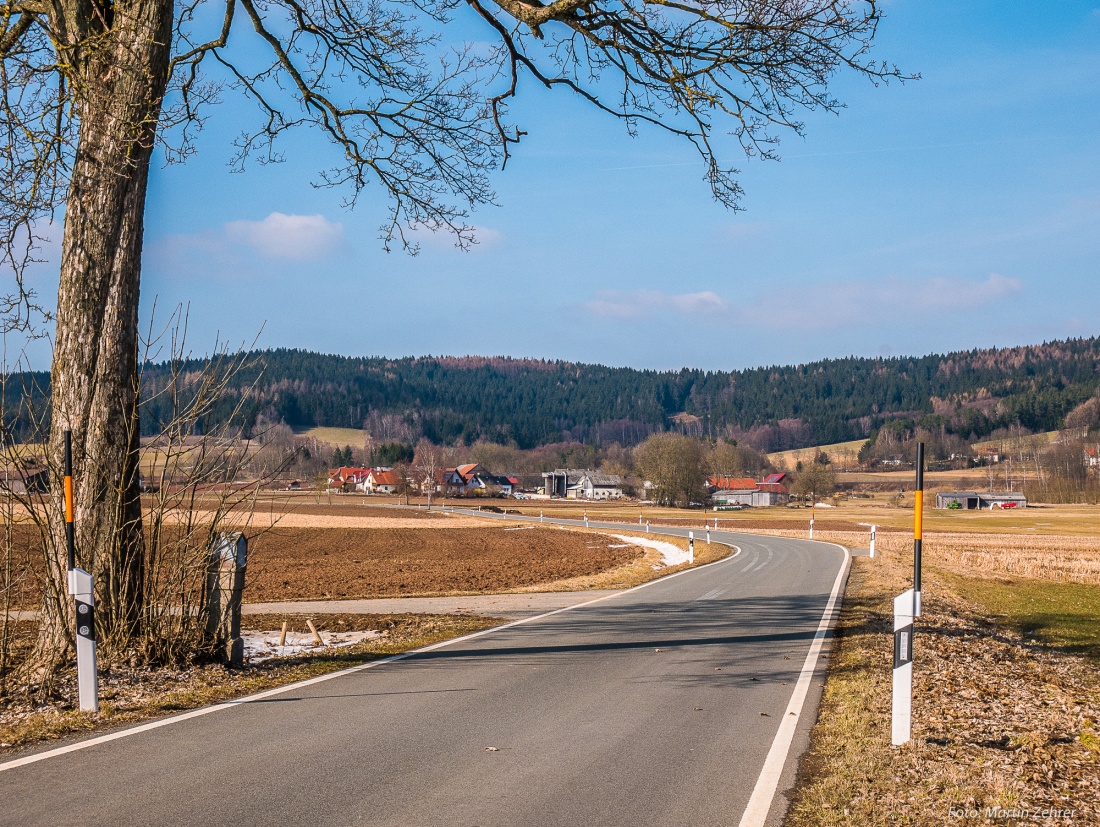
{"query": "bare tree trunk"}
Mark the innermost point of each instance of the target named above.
(119, 74)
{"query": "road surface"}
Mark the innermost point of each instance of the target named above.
(657, 706)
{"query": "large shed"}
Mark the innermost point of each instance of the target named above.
(974, 500)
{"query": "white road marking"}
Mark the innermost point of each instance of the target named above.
(756, 813)
(711, 595)
(198, 713)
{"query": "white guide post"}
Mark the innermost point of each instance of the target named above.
(691, 547)
(708, 535)
(902, 717)
(647, 526)
(872, 541)
(81, 588)
(811, 528)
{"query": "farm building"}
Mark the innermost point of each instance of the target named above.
(577, 484)
(22, 480)
(972, 500)
(747, 491)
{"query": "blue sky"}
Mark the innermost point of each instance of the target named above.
(961, 210)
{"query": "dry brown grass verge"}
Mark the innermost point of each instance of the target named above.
(998, 722)
(129, 696)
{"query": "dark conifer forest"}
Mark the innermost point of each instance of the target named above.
(527, 403)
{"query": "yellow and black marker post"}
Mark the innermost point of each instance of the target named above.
(82, 589)
(918, 528)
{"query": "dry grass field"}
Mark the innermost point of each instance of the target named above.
(336, 437)
(842, 454)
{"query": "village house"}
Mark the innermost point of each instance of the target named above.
(381, 481)
(726, 491)
(20, 479)
(347, 478)
(473, 480)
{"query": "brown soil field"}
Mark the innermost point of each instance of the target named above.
(304, 564)
(341, 507)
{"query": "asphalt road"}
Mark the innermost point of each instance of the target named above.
(656, 706)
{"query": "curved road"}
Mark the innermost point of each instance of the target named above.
(655, 706)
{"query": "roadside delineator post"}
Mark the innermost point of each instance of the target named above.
(902, 713)
(813, 512)
(647, 526)
(708, 535)
(907, 607)
(691, 547)
(586, 519)
(82, 589)
(540, 516)
(872, 527)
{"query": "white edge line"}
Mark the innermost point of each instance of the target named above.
(763, 794)
(279, 690)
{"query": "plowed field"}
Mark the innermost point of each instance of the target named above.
(340, 563)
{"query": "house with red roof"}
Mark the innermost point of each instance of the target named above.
(747, 491)
(381, 482)
(347, 478)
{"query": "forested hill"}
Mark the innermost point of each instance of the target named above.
(530, 402)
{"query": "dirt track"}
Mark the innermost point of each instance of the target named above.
(334, 563)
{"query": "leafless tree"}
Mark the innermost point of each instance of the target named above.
(674, 464)
(426, 464)
(89, 88)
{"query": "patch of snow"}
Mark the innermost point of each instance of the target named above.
(671, 555)
(823, 505)
(520, 528)
(261, 646)
(619, 545)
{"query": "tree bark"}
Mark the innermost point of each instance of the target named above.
(119, 57)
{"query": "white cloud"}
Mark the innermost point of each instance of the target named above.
(636, 304)
(288, 236)
(485, 238)
(817, 307)
(841, 304)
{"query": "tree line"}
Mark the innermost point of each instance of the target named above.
(962, 396)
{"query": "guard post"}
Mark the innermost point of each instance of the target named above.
(691, 547)
(902, 713)
(224, 585)
(872, 540)
(918, 528)
(82, 589)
